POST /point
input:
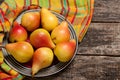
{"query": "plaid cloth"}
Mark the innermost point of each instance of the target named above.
(78, 12)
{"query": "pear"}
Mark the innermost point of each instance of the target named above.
(42, 58)
(21, 51)
(1, 56)
(41, 38)
(48, 20)
(31, 20)
(64, 51)
(17, 33)
(61, 33)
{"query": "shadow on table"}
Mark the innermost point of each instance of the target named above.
(52, 77)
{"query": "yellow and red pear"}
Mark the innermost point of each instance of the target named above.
(61, 33)
(31, 20)
(41, 38)
(64, 51)
(48, 20)
(1, 56)
(21, 51)
(17, 33)
(42, 58)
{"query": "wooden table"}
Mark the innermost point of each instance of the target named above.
(98, 56)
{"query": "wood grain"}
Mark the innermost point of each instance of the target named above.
(98, 56)
(89, 68)
(106, 11)
(101, 39)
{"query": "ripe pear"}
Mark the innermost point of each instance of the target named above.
(17, 33)
(21, 51)
(1, 56)
(48, 20)
(42, 58)
(31, 20)
(64, 51)
(41, 38)
(61, 33)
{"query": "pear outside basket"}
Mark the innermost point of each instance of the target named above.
(53, 69)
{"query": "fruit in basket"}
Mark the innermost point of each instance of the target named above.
(43, 41)
(48, 20)
(64, 51)
(61, 33)
(42, 58)
(21, 51)
(31, 20)
(17, 33)
(41, 38)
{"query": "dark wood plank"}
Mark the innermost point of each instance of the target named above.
(98, 53)
(101, 39)
(89, 68)
(106, 11)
